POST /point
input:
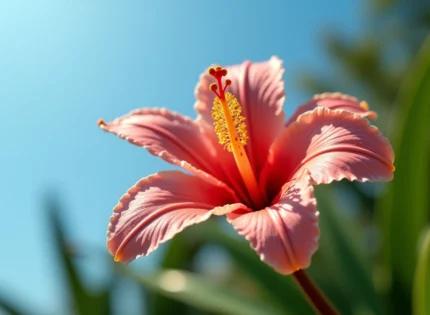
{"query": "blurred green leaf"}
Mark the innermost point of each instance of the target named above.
(404, 210)
(315, 84)
(421, 297)
(9, 307)
(344, 256)
(363, 62)
(179, 255)
(280, 290)
(84, 302)
(383, 4)
(201, 293)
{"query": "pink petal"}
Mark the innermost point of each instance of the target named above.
(286, 233)
(333, 145)
(260, 90)
(160, 206)
(232, 177)
(334, 101)
(173, 137)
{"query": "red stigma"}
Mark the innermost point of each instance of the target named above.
(101, 122)
(219, 72)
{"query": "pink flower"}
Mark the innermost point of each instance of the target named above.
(261, 176)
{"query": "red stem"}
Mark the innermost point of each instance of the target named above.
(315, 297)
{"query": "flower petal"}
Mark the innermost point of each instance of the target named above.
(175, 138)
(334, 101)
(332, 145)
(260, 90)
(230, 171)
(160, 206)
(286, 233)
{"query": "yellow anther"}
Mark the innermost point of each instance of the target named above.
(364, 105)
(221, 124)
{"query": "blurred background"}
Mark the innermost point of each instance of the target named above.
(64, 64)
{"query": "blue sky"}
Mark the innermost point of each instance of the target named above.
(64, 64)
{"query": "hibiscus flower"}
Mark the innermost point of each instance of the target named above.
(244, 161)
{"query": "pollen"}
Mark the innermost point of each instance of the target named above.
(220, 122)
(228, 121)
(364, 105)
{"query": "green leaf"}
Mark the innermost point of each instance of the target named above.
(179, 255)
(83, 301)
(404, 210)
(421, 293)
(345, 261)
(363, 61)
(198, 292)
(9, 306)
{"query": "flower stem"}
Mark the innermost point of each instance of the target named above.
(314, 295)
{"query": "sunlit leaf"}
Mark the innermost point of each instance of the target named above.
(199, 292)
(179, 255)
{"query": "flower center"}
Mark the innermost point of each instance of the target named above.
(230, 127)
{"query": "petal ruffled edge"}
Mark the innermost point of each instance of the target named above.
(158, 207)
(332, 145)
(200, 159)
(334, 101)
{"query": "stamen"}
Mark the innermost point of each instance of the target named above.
(220, 121)
(230, 127)
(364, 105)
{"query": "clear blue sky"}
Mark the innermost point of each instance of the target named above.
(64, 64)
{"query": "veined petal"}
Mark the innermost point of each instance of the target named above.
(160, 206)
(259, 88)
(332, 145)
(285, 235)
(175, 138)
(334, 101)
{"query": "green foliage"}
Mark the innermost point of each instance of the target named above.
(83, 302)
(201, 293)
(179, 255)
(343, 256)
(9, 306)
(405, 207)
(421, 301)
